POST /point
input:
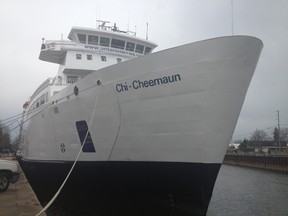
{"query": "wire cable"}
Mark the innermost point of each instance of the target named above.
(75, 161)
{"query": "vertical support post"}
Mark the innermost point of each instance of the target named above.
(147, 31)
(232, 17)
(278, 117)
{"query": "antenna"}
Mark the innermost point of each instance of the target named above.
(278, 118)
(128, 22)
(232, 17)
(98, 5)
(147, 31)
(135, 30)
(102, 24)
(96, 14)
(99, 9)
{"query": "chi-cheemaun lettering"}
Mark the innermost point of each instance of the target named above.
(140, 84)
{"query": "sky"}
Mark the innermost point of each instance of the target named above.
(171, 23)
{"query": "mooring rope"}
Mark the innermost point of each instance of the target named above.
(78, 155)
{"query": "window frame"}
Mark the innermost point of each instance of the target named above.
(149, 50)
(89, 57)
(72, 79)
(104, 58)
(139, 50)
(78, 56)
(80, 40)
(130, 48)
(102, 43)
(116, 43)
(93, 42)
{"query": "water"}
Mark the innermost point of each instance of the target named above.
(244, 191)
(238, 191)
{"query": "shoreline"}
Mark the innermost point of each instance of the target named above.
(275, 163)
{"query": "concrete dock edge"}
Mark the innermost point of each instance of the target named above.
(19, 199)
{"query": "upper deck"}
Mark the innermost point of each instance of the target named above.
(104, 39)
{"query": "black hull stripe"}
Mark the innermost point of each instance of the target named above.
(166, 186)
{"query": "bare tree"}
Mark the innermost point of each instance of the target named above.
(5, 140)
(281, 137)
(258, 136)
(283, 134)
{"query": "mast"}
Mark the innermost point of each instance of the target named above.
(147, 31)
(232, 17)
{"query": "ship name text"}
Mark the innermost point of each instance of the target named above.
(140, 84)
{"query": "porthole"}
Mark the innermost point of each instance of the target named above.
(76, 90)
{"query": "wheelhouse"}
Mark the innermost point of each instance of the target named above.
(95, 39)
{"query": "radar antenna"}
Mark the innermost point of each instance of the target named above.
(102, 24)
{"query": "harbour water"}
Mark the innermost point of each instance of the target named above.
(245, 191)
(238, 191)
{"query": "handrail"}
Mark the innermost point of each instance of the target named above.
(44, 85)
(51, 44)
(58, 81)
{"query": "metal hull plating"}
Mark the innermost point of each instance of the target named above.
(130, 188)
(178, 106)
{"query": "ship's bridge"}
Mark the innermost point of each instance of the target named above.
(104, 40)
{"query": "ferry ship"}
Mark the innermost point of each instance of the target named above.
(152, 128)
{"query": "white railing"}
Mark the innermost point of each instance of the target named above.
(57, 81)
(57, 44)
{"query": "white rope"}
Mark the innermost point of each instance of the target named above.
(78, 155)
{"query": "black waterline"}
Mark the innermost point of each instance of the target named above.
(124, 188)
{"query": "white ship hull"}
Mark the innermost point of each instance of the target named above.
(177, 107)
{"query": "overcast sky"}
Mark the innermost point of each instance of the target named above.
(171, 23)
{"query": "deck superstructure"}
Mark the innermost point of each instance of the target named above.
(86, 51)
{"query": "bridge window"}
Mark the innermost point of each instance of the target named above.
(139, 48)
(42, 99)
(147, 50)
(104, 41)
(119, 44)
(82, 38)
(78, 56)
(103, 58)
(89, 57)
(92, 39)
(130, 46)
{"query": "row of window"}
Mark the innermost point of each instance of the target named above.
(72, 79)
(40, 101)
(44, 98)
(115, 43)
(90, 57)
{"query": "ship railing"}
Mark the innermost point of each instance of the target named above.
(57, 44)
(52, 81)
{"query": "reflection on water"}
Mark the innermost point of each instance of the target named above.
(244, 191)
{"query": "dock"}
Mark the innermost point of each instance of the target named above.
(275, 163)
(19, 199)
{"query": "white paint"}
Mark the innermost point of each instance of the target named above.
(191, 120)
